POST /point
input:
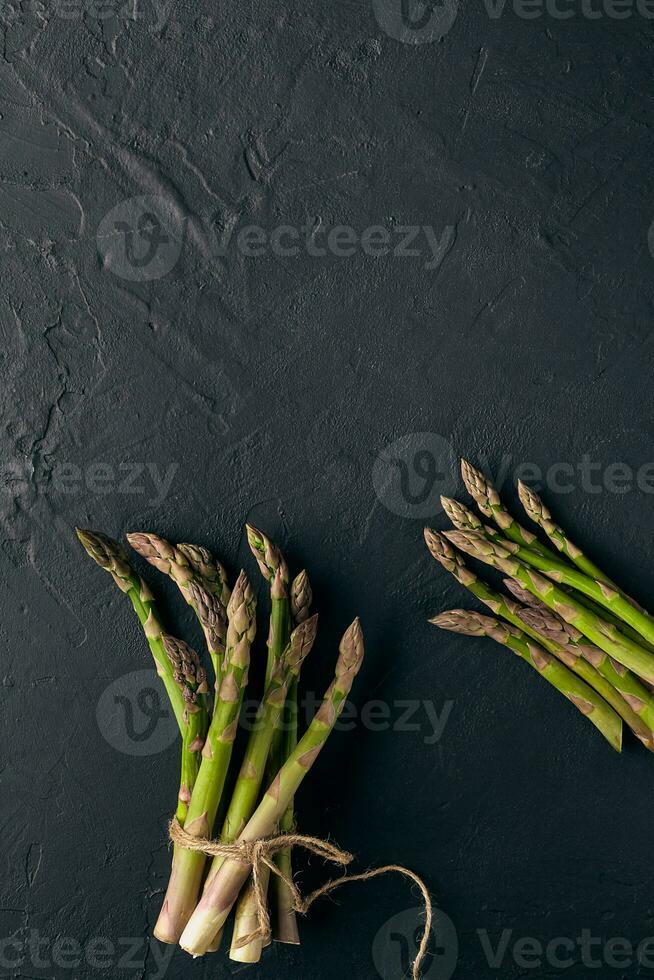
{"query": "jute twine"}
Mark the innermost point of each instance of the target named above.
(259, 854)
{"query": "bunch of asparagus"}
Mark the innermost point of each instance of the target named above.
(199, 898)
(562, 614)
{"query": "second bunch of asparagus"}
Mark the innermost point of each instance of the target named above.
(564, 615)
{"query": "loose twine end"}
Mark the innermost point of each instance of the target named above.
(259, 854)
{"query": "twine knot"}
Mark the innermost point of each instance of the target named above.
(259, 854)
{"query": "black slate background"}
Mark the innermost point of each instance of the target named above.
(271, 386)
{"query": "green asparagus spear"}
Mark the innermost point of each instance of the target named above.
(246, 792)
(186, 876)
(188, 703)
(600, 632)
(488, 500)
(274, 569)
(110, 555)
(285, 923)
(539, 514)
(191, 678)
(221, 894)
(605, 719)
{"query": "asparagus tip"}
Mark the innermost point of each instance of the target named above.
(351, 649)
(475, 543)
(463, 621)
(241, 613)
(300, 643)
(268, 556)
(101, 548)
(241, 586)
(211, 613)
(301, 597)
(151, 547)
(461, 539)
(439, 547)
(188, 673)
(460, 515)
(481, 489)
(278, 586)
(532, 503)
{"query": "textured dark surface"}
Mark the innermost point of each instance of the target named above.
(267, 388)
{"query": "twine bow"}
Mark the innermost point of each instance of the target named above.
(259, 854)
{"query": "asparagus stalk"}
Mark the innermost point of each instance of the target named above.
(186, 876)
(598, 673)
(202, 582)
(186, 698)
(110, 555)
(539, 514)
(191, 678)
(488, 500)
(285, 924)
(248, 784)
(274, 569)
(246, 923)
(605, 719)
(602, 594)
(620, 688)
(632, 689)
(221, 894)
(598, 630)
